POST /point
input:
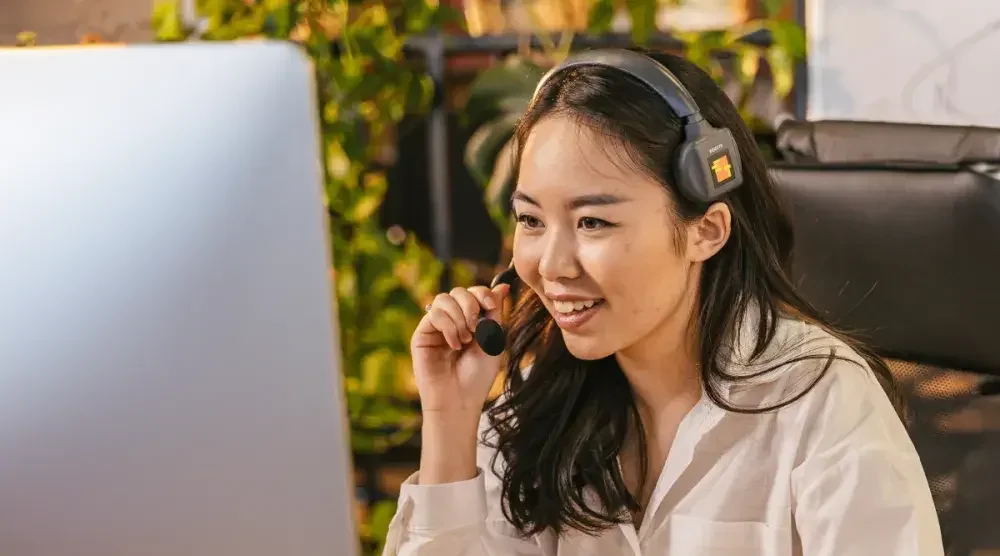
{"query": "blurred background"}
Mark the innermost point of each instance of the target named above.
(418, 99)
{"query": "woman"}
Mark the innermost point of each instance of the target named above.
(682, 398)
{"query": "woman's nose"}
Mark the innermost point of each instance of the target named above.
(558, 260)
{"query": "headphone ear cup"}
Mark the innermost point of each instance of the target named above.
(689, 173)
(709, 166)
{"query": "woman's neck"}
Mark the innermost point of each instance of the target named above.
(664, 368)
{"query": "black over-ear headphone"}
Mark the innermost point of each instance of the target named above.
(707, 164)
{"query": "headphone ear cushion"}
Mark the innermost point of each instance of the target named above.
(709, 166)
(689, 174)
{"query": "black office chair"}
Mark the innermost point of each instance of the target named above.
(898, 241)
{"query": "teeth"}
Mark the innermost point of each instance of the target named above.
(570, 306)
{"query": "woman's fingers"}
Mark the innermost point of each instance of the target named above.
(491, 300)
(455, 314)
(469, 304)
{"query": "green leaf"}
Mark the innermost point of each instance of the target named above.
(643, 14)
(366, 243)
(700, 47)
(500, 187)
(788, 36)
(365, 207)
(749, 64)
(26, 38)
(364, 442)
(281, 16)
(773, 7)
(380, 516)
(393, 325)
(446, 15)
(463, 273)
(419, 93)
(347, 283)
(167, 22)
(782, 71)
(372, 194)
(419, 271)
(377, 367)
(512, 82)
(338, 164)
(485, 144)
(419, 16)
(601, 14)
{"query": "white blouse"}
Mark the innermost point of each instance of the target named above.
(833, 474)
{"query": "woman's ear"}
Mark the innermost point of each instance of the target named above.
(708, 234)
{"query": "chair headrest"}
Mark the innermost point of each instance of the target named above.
(907, 259)
(837, 142)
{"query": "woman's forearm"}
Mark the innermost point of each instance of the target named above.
(448, 447)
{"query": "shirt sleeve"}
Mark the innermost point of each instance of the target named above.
(861, 488)
(456, 519)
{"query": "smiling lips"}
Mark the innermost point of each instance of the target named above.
(570, 306)
(571, 314)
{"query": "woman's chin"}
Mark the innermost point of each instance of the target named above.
(586, 349)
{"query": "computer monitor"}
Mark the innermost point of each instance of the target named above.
(169, 366)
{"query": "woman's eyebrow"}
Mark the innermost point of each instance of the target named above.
(595, 199)
(518, 196)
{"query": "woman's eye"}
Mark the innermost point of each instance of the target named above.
(528, 221)
(590, 223)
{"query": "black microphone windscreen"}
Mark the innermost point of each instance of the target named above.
(490, 337)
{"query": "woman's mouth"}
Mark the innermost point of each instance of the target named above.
(570, 315)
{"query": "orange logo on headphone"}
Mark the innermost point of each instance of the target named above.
(722, 169)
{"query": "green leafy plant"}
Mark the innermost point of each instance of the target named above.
(497, 98)
(365, 86)
(786, 48)
(500, 94)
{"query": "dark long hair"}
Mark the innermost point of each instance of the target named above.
(561, 428)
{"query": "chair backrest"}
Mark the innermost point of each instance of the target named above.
(840, 142)
(899, 244)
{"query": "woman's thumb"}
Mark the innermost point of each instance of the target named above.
(500, 293)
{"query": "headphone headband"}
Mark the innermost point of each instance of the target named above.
(639, 66)
(707, 164)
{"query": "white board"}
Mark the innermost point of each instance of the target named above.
(921, 61)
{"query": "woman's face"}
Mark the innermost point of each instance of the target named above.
(598, 242)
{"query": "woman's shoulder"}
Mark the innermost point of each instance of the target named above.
(843, 399)
(809, 353)
(799, 356)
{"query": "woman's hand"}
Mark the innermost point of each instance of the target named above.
(452, 373)
(454, 377)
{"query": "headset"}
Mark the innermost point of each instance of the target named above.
(707, 164)
(706, 167)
